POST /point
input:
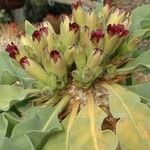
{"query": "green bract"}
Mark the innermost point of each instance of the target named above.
(63, 90)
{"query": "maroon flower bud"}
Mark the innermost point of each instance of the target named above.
(118, 29)
(97, 35)
(37, 35)
(12, 50)
(77, 4)
(24, 61)
(74, 26)
(43, 30)
(55, 55)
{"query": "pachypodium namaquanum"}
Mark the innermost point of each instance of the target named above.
(87, 40)
(79, 67)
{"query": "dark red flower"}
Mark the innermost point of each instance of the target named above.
(37, 35)
(74, 26)
(55, 55)
(43, 30)
(12, 50)
(24, 61)
(97, 35)
(77, 4)
(118, 29)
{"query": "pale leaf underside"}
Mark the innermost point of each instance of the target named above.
(133, 128)
(85, 131)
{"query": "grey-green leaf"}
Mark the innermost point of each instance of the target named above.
(84, 132)
(11, 94)
(139, 14)
(133, 127)
(141, 61)
(7, 124)
(143, 90)
(10, 72)
(3, 126)
(31, 132)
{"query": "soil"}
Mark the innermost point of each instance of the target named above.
(131, 4)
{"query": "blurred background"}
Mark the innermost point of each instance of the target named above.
(36, 10)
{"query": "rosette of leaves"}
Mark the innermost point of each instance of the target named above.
(68, 90)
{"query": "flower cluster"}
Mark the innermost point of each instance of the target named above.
(86, 40)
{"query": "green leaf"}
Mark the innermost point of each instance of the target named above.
(7, 124)
(133, 128)
(138, 16)
(29, 28)
(3, 126)
(141, 61)
(142, 90)
(12, 122)
(10, 72)
(145, 24)
(32, 132)
(8, 144)
(99, 6)
(83, 131)
(147, 35)
(7, 78)
(9, 95)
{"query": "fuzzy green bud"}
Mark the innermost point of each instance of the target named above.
(93, 59)
(106, 10)
(116, 16)
(71, 33)
(46, 62)
(29, 47)
(50, 39)
(129, 45)
(53, 81)
(57, 64)
(91, 19)
(34, 69)
(64, 25)
(49, 34)
(80, 58)
(79, 13)
(113, 38)
(47, 25)
(26, 40)
(119, 16)
(68, 55)
(84, 36)
(39, 42)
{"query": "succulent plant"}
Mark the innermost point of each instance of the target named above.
(74, 80)
(90, 40)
